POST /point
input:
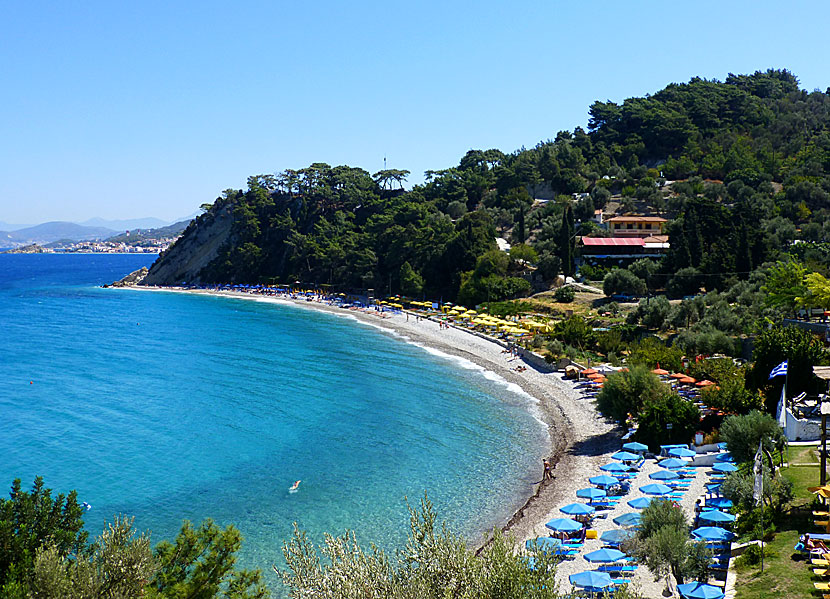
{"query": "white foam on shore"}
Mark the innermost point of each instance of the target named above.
(529, 401)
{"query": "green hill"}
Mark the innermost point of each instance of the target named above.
(740, 167)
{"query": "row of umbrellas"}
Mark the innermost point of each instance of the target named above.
(597, 582)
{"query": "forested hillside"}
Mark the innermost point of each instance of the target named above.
(741, 168)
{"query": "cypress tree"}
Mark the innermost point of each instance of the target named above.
(566, 234)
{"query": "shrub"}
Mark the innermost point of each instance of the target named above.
(707, 342)
(625, 393)
(643, 268)
(593, 273)
(685, 281)
(652, 313)
(564, 295)
(623, 282)
(742, 433)
(653, 352)
(522, 251)
(666, 419)
(575, 331)
(732, 396)
(750, 557)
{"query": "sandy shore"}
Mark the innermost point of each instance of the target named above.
(580, 439)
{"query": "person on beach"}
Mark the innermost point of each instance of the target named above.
(547, 475)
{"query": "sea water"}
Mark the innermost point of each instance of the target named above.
(169, 406)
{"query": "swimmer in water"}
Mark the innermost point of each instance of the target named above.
(295, 486)
(87, 506)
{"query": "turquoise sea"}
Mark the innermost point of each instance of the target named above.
(168, 406)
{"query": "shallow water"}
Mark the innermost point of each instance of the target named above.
(168, 406)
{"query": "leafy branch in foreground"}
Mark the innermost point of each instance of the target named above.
(435, 563)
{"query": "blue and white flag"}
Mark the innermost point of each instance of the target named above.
(779, 370)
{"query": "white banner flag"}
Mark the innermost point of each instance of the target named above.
(782, 408)
(758, 469)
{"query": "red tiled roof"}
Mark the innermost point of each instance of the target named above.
(609, 241)
(637, 219)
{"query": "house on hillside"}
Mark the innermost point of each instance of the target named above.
(634, 225)
(620, 250)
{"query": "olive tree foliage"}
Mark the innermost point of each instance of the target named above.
(662, 543)
(119, 567)
(435, 563)
(742, 434)
(740, 488)
(625, 392)
(620, 281)
(652, 313)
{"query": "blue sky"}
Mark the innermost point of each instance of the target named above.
(152, 108)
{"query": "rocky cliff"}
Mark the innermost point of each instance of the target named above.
(194, 250)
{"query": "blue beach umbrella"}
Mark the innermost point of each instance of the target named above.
(605, 556)
(664, 475)
(699, 590)
(716, 516)
(719, 502)
(625, 456)
(577, 509)
(543, 544)
(724, 467)
(712, 533)
(614, 467)
(712, 487)
(655, 489)
(603, 480)
(682, 452)
(563, 525)
(634, 446)
(724, 457)
(591, 580)
(672, 463)
(615, 535)
(591, 493)
(629, 519)
(640, 503)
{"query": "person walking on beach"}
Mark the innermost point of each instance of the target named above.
(547, 475)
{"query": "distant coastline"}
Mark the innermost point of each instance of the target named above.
(578, 437)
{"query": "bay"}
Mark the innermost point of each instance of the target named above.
(171, 406)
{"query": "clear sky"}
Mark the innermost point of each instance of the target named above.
(123, 110)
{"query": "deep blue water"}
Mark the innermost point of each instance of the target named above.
(168, 406)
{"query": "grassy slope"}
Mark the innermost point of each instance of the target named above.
(787, 575)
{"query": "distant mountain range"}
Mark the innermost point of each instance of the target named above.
(95, 228)
(48, 232)
(128, 224)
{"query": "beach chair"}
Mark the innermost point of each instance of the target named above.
(823, 572)
(625, 570)
(821, 514)
(820, 562)
(822, 586)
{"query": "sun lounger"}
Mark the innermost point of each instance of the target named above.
(821, 572)
(820, 562)
(821, 514)
(822, 586)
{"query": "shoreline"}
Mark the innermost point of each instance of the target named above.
(578, 438)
